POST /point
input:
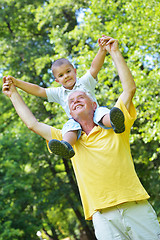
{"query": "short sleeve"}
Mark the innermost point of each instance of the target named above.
(53, 94)
(56, 134)
(88, 81)
(130, 116)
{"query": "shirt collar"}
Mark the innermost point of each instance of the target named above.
(94, 130)
(77, 84)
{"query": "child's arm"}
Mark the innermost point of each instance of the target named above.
(28, 87)
(98, 61)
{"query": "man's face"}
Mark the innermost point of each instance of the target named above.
(65, 75)
(81, 105)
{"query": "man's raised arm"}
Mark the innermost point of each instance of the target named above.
(124, 73)
(24, 112)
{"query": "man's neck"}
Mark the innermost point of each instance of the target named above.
(87, 126)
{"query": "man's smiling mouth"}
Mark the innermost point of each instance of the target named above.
(78, 106)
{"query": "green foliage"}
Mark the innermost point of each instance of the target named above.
(36, 191)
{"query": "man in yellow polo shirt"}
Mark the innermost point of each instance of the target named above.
(111, 193)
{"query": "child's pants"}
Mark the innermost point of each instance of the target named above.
(127, 221)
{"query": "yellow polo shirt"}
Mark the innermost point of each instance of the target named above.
(104, 167)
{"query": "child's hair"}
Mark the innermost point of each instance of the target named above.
(60, 62)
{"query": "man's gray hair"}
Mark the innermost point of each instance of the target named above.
(82, 90)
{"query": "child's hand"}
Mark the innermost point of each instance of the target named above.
(102, 43)
(8, 86)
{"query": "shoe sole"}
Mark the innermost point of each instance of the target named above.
(117, 119)
(58, 148)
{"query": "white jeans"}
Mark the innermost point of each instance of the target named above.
(127, 221)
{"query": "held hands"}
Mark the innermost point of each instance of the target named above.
(8, 86)
(108, 43)
(11, 79)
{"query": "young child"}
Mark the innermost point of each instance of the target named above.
(65, 74)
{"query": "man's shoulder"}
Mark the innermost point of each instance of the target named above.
(129, 114)
(56, 133)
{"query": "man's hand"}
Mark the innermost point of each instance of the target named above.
(109, 43)
(11, 79)
(8, 87)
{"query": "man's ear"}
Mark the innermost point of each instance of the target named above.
(94, 105)
(56, 80)
(75, 70)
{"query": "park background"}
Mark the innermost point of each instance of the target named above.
(38, 191)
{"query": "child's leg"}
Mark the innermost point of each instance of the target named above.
(70, 137)
(106, 120)
(115, 119)
(71, 132)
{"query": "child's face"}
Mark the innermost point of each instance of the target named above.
(65, 75)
